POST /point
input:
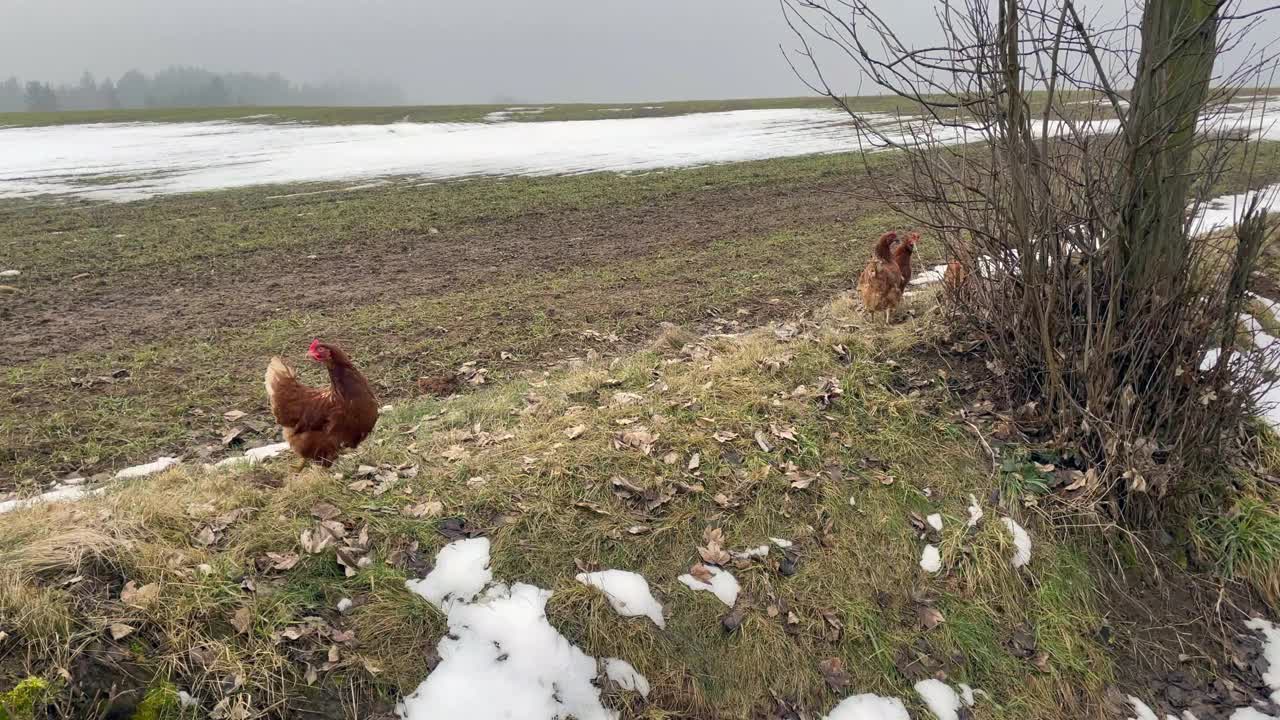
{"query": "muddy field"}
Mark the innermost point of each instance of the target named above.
(189, 300)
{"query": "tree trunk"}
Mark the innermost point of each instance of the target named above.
(1179, 44)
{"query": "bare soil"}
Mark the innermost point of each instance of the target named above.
(164, 303)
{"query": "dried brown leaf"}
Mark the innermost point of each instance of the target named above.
(242, 620)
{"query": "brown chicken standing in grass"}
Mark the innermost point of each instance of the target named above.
(881, 282)
(318, 423)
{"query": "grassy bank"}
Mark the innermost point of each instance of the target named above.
(530, 464)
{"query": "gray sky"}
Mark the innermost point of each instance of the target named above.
(461, 51)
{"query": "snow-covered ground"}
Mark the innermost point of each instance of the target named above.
(129, 161)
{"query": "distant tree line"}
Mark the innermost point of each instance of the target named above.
(188, 87)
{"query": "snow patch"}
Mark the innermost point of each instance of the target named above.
(935, 521)
(461, 572)
(10, 273)
(626, 676)
(1270, 651)
(151, 468)
(501, 658)
(1021, 543)
(723, 584)
(869, 707)
(253, 456)
(930, 276)
(930, 559)
(784, 544)
(975, 512)
(941, 700)
(627, 592)
(1248, 713)
(65, 494)
(750, 553)
(1143, 712)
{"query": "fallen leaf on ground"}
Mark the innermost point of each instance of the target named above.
(638, 438)
(455, 453)
(701, 572)
(834, 674)
(282, 561)
(929, 616)
(431, 508)
(763, 441)
(713, 551)
(232, 435)
(233, 415)
(732, 620)
(242, 620)
(139, 596)
(575, 432)
(205, 537)
(694, 462)
(724, 436)
(592, 506)
(119, 631)
(784, 432)
(324, 511)
(834, 628)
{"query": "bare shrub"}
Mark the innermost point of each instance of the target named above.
(1064, 168)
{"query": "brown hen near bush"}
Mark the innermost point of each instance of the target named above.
(882, 281)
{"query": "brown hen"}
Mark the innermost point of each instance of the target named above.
(319, 423)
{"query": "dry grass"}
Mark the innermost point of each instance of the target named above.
(858, 552)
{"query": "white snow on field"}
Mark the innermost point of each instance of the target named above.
(627, 592)
(1223, 212)
(151, 468)
(164, 158)
(869, 707)
(1270, 651)
(930, 559)
(975, 512)
(460, 573)
(940, 698)
(1248, 713)
(930, 276)
(935, 521)
(1021, 542)
(723, 584)
(501, 657)
(65, 494)
(626, 676)
(253, 456)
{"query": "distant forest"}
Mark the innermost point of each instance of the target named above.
(188, 87)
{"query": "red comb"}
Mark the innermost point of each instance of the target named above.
(314, 344)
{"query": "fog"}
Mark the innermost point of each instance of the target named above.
(448, 52)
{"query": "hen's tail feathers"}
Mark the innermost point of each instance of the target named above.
(277, 371)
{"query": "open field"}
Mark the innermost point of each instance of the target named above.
(439, 113)
(703, 307)
(191, 294)
(524, 112)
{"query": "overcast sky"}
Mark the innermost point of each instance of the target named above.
(462, 51)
